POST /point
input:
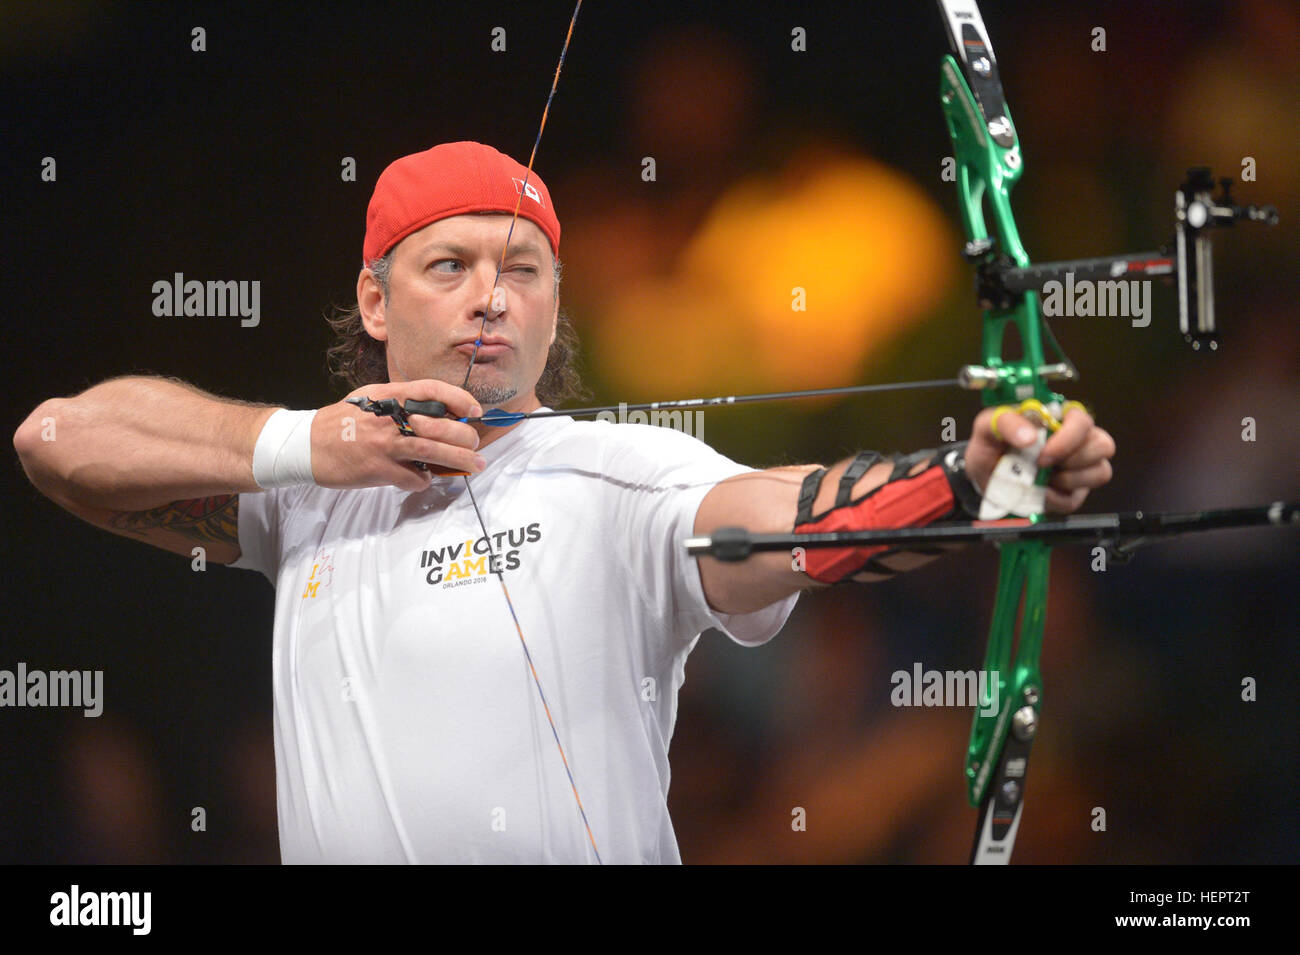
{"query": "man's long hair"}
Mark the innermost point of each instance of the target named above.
(357, 359)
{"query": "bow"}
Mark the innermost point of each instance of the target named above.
(988, 165)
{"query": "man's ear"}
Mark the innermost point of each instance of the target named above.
(555, 323)
(370, 300)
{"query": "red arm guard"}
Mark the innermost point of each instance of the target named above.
(940, 491)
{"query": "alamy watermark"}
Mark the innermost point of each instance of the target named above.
(177, 297)
(75, 907)
(945, 688)
(1108, 298)
(24, 687)
(687, 422)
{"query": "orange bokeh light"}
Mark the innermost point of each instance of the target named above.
(873, 254)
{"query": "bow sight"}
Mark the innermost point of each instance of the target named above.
(1190, 258)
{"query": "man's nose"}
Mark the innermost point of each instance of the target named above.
(491, 295)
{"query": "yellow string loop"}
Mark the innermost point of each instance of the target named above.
(1036, 412)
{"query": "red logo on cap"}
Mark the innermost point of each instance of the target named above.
(529, 190)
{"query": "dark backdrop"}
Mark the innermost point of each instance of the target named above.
(225, 164)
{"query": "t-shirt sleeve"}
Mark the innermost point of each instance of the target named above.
(664, 475)
(260, 532)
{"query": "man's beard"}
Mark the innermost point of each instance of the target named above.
(485, 392)
(491, 396)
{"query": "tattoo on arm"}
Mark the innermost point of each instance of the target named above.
(206, 520)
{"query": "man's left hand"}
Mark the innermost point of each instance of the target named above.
(1079, 453)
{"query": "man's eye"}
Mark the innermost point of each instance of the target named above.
(446, 265)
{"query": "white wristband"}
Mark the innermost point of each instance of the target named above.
(282, 455)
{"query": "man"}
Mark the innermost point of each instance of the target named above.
(483, 668)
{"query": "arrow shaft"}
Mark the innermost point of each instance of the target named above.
(508, 418)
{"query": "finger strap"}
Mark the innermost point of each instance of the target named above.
(431, 409)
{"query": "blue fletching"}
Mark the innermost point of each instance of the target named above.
(498, 418)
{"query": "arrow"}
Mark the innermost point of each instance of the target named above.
(504, 419)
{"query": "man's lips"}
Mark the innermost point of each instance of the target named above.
(491, 347)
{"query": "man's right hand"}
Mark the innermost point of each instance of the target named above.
(351, 448)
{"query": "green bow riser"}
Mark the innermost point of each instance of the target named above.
(987, 171)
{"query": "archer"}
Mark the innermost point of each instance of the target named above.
(405, 726)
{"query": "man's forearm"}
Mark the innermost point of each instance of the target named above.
(768, 502)
(130, 444)
(765, 502)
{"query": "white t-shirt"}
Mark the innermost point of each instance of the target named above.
(407, 724)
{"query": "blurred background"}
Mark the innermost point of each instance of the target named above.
(773, 168)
